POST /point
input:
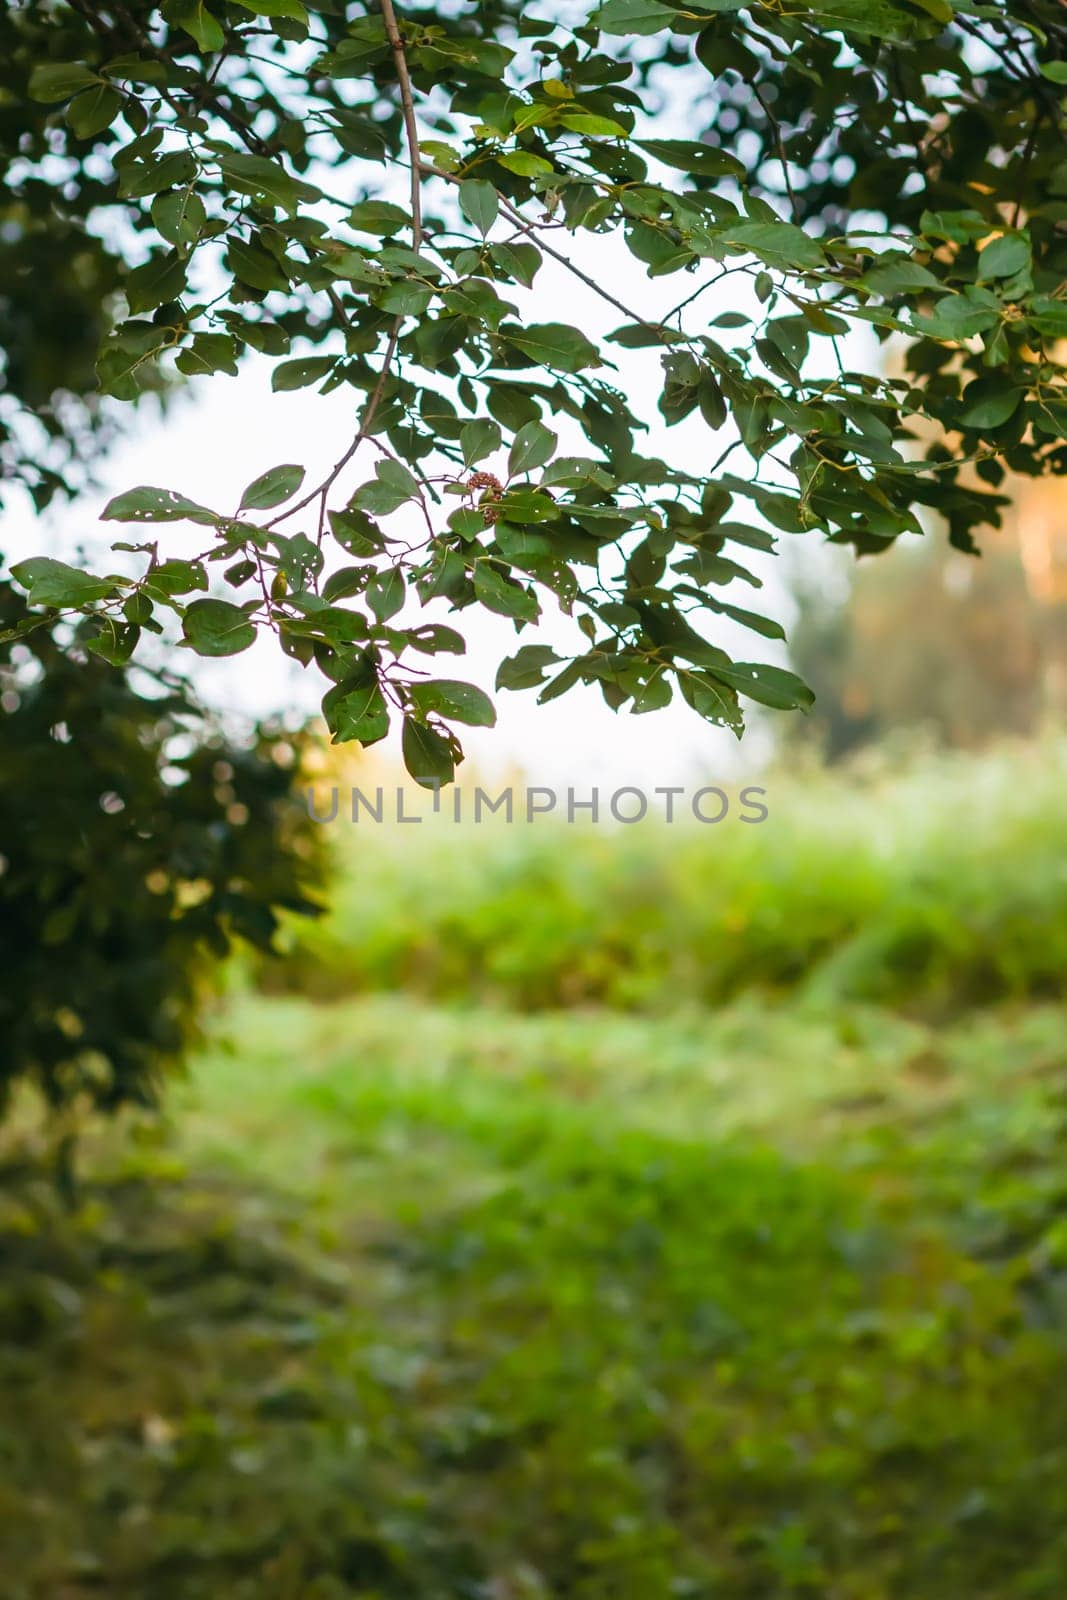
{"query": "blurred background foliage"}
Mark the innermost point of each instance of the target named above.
(571, 1212)
(137, 841)
(937, 886)
(937, 646)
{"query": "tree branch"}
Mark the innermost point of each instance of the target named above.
(777, 132)
(531, 228)
(411, 131)
(1024, 167)
(407, 101)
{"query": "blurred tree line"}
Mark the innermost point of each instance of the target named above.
(935, 642)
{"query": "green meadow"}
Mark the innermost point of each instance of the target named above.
(585, 1214)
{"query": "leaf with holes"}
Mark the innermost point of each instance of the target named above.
(147, 504)
(455, 700)
(355, 709)
(271, 488)
(532, 447)
(429, 756)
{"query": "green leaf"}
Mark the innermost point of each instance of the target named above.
(209, 353)
(345, 582)
(115, 643)
(217, 628)
(479, 204)
(176, 577)
(479, 439)
(780, 244)
(518, 261)
(298, 374)
(454, 699)
(356, 709)
(405, 299)
(434, 638)
(1049, 316)
(519, 545)
(357, 533)
(897, 274)
(256, 267)
(988, 403)
(689, 155)
(393, 486)
(161, 279)
(633, 16)
(379, 217)
(771, 686)
(587, 122)
(468, 522)
(767, 627)
(503, 595)
(1004, 257)
(429, 756)
(553, 344)
(194, 18)
(956, 316)
(275, 8)
(654, 693)
(93, 110)
(51, 81)
(271, 488)
(642, 335)
(526, 668)
(54, 583)
(715, 702)
(147, 504)
(875, 19)
(265, 180)
(533, 446)
(386, 593)
(179, 216)
(156, 173)
(1055, 71)
(524, 163)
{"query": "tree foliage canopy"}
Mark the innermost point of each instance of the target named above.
(367, 195)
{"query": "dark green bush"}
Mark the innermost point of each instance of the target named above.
(136, 841)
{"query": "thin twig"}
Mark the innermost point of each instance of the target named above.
(777, 131)
(532, 229)
(1025, 166)
(321, 490)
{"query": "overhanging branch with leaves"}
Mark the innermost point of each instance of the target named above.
(366, 196)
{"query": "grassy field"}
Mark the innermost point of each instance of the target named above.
(432, 1304)
(931, 886)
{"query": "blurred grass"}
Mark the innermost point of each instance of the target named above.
(931, 888)
(417, 1304)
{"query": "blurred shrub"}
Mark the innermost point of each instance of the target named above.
(940, 886)
(135, 841)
